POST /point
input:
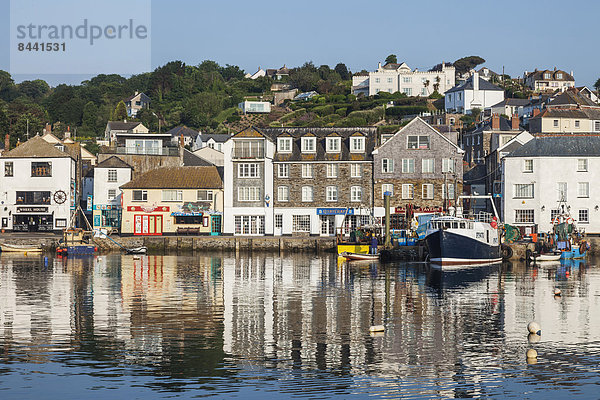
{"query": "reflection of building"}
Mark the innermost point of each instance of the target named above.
(184, 200)
(39, 187)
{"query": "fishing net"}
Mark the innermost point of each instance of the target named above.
(511, 233)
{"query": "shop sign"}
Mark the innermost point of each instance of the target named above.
(148, 209)
(402, 210)
(335, 211)
(105, 207)
(32, 209)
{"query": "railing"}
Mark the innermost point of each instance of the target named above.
(248, 153)
(151, 151)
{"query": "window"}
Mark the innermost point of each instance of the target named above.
(249, 224)
(584, 216)
(140, 195)
(248, 170)
(408, 165)
(576, 123)
(389, 80)
(307, 170)
(172, 195)
(523, 191)
(249, 193)
(279, 221)
(283, 170)
(309, 144)
(355, 170)
(554, 214)
(112, 193)
(447, 165)
(8, 168)
(528, 166)
(41, 169)
(332, 193)
(555, 123)
(112, 175)
(407, 91)
(301, 223)
(387, 187)
(357, 144)
(583, 189)
(407, 191)
(582, 165)
(376, 80)
(524, 216)
(284, 145)
(307, 193)
(418, 142)
(205, 195)
(448, 191)
(406, 79)
(283, 193)
(355, 193)
(562, 191)
(559, 75)
(423, 91)
(596, 126)
(33, 198)
(427, 191)
(333, 144)
(427, 166)
(547, 75)
(387, 165)
(188, 220)
(332, 170)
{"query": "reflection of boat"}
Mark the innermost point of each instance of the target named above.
(11, 248)
(443, 279)
(359, 256)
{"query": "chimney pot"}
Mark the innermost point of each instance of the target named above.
(7, 142)
(495, 121)
(515, 122)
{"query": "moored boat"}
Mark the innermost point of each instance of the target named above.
(359, 256)
(555, 256)
(11, 248)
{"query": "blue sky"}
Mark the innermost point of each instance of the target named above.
(516, 35)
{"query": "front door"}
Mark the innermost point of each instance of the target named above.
(327, 225)
(147, 225)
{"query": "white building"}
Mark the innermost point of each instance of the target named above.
(38, 187)
(114, 128)
(189, 135)
(399, 77)
(263, 107)
(109, 175)
(548, 175)
(474, 93)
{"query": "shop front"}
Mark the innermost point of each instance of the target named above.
(32, 219)
(107, 216)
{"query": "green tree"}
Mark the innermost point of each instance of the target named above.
(597, 85)
(90, 117)
(26, 123)
(391, 59)
(464, 64)
(342, 71)
(120, 113)
(35, 90)
(4, 125)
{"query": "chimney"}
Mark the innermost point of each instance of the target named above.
(475, 81)
(136, 93)
(68, 133)
(515, 122)
(7, 142)
(572, 75)
(48, 128)
(378, 65)
(495, 122)
(181, 140)
(536, 111)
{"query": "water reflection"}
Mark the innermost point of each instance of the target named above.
(225, 325)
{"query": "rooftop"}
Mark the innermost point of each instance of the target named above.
(36, 147)
(560, 146)
(178, 178)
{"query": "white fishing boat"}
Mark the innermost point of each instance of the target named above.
(11, 248)
(547, 257)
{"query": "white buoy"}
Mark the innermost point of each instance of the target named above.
(377, 328)
(557, 291)
(534, 327)
(376, 334)
(531, 353)
(533, 338)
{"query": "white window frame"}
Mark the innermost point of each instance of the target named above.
(248, 170)
(204, 195)
(283, 170)
(307, 194)
(284, 145)
(408, 191)
(307, 171)
(387, 187)
(427, 192)
(586, 219)
(172, 195)
(528, 166)
(112, 175)
(426, 163)
(387, 165)
(332, 193)
(301, 223)
(283, 193)
(249, 194)
(526, 216)
(309, 144)
(562, 189)
(523, 191)
(408, 165)
(332, 170)
(448, 187)
(426, 141)
(356, 170)
(582, 165)
(144, 194)
(333, 144)
(583, 190)
(357, 144)
(112, 194)
(356, 193)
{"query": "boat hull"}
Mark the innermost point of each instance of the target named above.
(352, 248)
(7, 248)
(447, 248)
(548, 257)
(360, 257)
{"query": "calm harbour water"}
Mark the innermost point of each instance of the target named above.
(261, 326)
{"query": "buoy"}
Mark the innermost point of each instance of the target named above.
(377, 328)
(532, 360)
(531, 353)
(376, 334)
(533, 338)
(534, 327)
(557, 291)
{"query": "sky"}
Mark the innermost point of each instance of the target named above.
(515, 35)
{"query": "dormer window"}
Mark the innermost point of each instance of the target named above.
(309, 145)
(547, 75)
(333, 144)
(357, 144)
(559, 75)
(284, 145)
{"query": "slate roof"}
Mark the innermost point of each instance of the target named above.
(321, 134)
(192, 160)
(142, 95)
(183, 130)
(36, 147)
(512, 102)
(569, 113)
(477, 174)
(559, 146)
(539, 75)
(178, 178)
(468, 85)
(505, 125)
(217, 137)
(122, 126)
(571, 98)
(113, 162)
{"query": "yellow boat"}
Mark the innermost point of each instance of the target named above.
(358, 248)
(11, 248)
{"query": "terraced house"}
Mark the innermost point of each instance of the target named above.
(322, 178)
(421, 168)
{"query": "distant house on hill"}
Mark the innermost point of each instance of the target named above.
(189, 135)
(258, 74)
(113, 128)
(136, 102)
(548, 80)
(474, 93)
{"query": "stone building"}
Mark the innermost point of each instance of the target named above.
(421, 168)
(488, 136)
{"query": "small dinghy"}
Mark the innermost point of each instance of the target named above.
(359, 256)
(11, 248)
(547, 257)
(137, 250)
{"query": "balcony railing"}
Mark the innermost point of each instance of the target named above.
(249, 153)
(151, 151)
